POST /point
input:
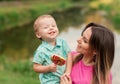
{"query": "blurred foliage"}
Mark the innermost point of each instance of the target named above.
(74, 17)
(23, 67)
(79, 0)
(26, 12)
(16, 72)
(111, 8)
(113, 11)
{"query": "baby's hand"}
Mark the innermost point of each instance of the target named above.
(52, 67)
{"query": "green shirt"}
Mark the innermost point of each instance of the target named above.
(43, 56)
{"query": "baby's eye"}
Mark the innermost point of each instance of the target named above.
(45, 27)
(53, 25)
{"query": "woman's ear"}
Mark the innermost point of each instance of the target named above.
(38, 35)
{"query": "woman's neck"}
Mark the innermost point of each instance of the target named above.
(88, 60)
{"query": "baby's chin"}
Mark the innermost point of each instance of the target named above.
(54, 37)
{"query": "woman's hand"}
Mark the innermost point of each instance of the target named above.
(65, 80)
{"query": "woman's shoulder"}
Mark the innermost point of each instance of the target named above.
(74, 54)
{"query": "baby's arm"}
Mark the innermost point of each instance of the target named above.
(71, 57)
(69, 64)
(44, 69)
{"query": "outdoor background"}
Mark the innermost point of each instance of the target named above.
(18, 41)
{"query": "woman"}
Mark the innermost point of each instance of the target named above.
(93, 64)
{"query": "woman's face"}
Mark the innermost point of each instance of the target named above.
(83, 46)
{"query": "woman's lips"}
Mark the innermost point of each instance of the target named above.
(78, 47)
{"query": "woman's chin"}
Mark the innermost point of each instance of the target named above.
(77, 50)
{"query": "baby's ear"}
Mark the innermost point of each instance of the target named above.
(38, 35)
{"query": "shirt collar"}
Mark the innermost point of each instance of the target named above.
(49, 46)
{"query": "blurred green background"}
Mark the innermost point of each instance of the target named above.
(18, 42)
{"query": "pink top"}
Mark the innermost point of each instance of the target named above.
(81, 73)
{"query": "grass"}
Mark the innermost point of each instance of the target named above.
(17, 72)
(9, 77)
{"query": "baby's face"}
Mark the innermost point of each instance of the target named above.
(47, 29)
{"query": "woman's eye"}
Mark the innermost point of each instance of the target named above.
(85, 41)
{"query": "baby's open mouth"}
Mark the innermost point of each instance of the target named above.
(52, 32)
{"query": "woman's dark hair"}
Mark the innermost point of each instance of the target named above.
(102, 41)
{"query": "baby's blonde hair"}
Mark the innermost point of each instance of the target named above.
(36, 23)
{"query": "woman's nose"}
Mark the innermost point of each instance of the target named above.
(79, 40)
